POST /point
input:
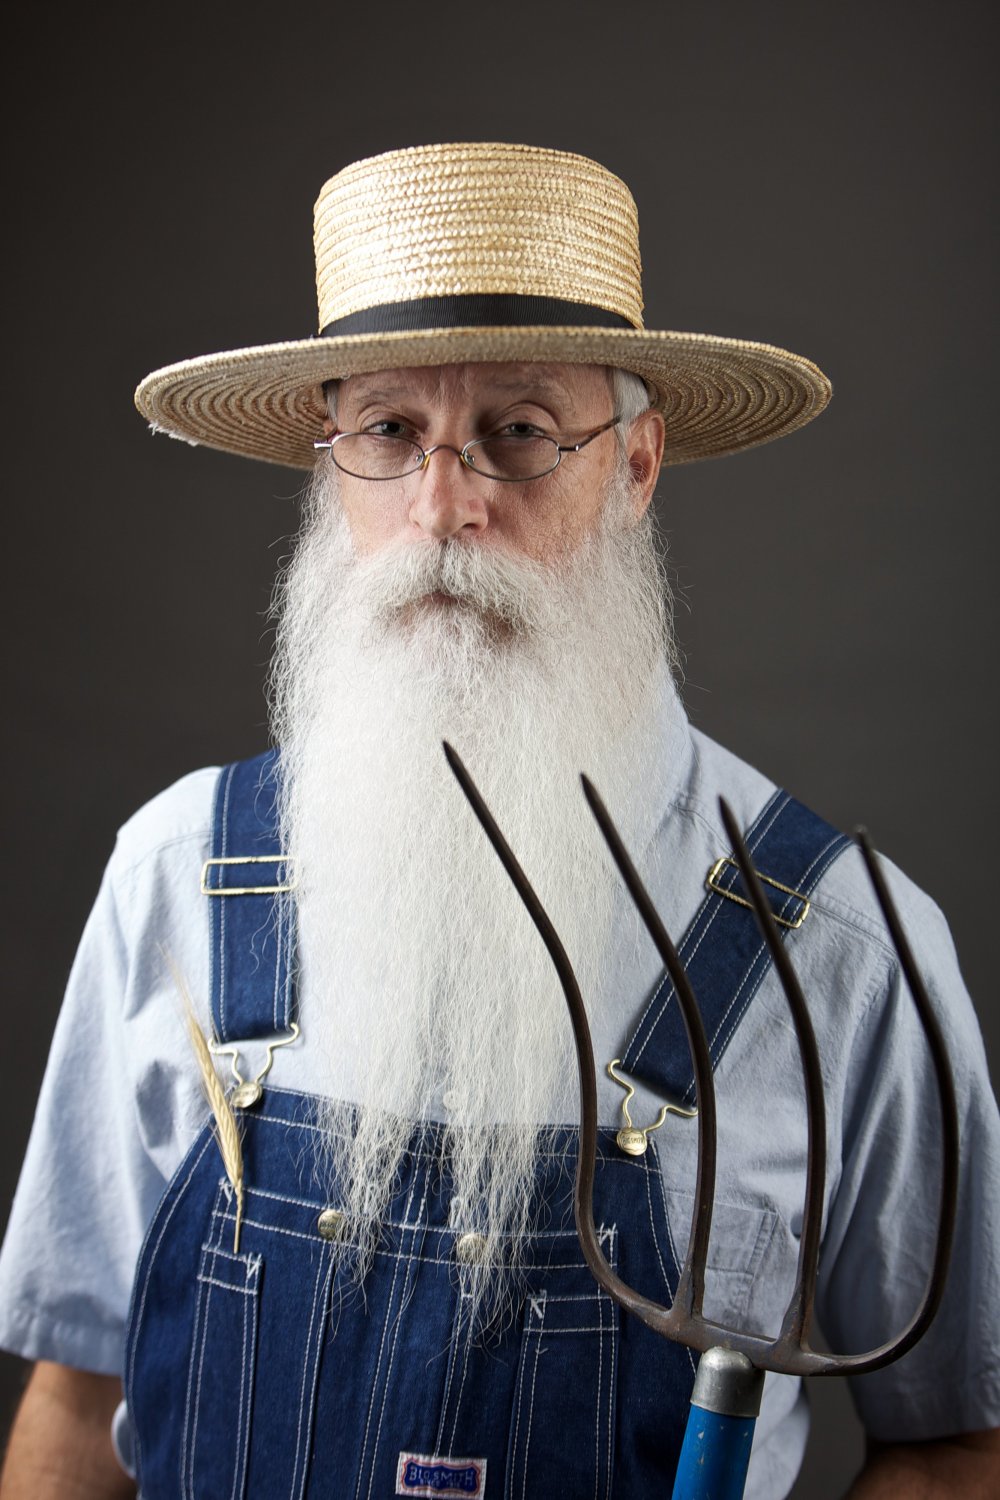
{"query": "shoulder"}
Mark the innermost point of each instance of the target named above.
(844, 895)
(152, 883)
(177, 817)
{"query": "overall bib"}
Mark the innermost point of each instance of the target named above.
(269, 1373)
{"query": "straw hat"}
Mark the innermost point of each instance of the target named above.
(460, 253)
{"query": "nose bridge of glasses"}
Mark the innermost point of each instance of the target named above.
(460, 453)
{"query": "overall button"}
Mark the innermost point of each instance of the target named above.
(246, 1095)
(470, 1248)
(330, 1224)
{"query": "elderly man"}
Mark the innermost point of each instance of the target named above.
(362, 1277)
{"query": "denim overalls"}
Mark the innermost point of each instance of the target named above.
(267, 1373)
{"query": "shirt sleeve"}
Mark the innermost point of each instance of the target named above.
(881, 1232)
(119, 1102)
(78, 1213)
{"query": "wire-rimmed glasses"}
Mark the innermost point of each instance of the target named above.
(509, 457)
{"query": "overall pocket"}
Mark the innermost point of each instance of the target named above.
(219, 1399)
(562, 1432)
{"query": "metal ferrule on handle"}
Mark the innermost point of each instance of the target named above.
(719, 1434)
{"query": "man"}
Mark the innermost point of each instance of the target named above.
(368, 1281)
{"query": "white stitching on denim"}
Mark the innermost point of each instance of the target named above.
(403, 1303)
(452, 1353)
(295, 1234)
(804, 887)
(688, 959)
(237, 1467)
(400, 1254)
(141, 1311)
(655, 1236)
(423, 1155)
(227, 1286)
(221, 903)
(537, 1305)
(466, 1343)
(729, 1020)
(531, 1413)
(371, 1399)
(555, 1333)
(250, 1363)
(249, 1264)
(681, 952)
(597, 1414)
(670, 1233)
(278, 908)
(311, 1361)
(305, 1370)
(196, 1394)
(594, 1296)
(317, 1358)
(665, 980)
(186, 1429)
(310, 1203)
(738, 991)
(612, 1386)
(752, 840)
(156, 1250)
(378, 1366)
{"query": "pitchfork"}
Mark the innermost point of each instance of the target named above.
(730, 1377)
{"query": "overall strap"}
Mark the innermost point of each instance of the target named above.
(251, 917)
(723, 952)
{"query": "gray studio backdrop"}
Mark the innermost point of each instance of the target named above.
(811, 176)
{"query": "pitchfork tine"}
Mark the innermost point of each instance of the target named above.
(798, 1315)
(683, 1321)
(948, 1197)
(587, 1156)
(691, 1286)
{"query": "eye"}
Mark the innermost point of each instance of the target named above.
(519, 430)
(387, 427)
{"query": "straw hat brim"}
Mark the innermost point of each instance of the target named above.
(717, 395)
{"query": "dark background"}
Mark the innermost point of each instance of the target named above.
(814, 176)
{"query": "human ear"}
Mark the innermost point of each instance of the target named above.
(644, 447)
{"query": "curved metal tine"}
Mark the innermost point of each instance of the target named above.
(651, 1312)
(798, 1315)
(691, 1285)
(794, 1333)
(948, 1197)
(683, 1321)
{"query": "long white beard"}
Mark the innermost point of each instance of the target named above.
(425, 980)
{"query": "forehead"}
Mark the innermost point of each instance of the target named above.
(566, 385)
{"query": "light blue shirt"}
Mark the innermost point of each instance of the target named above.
(121, 1103)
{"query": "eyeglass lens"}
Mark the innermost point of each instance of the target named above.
(369, 455)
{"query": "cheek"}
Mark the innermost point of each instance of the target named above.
(545, 522)
(373, 515)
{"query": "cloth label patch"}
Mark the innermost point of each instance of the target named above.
(434, 1474)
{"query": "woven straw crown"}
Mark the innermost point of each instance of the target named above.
(480, 253)
(445, 221)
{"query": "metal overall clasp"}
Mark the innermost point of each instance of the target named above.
(248, 1091)
(633, 1139)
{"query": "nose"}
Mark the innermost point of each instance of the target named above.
(447, 500)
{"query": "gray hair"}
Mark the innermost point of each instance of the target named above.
(630, 397)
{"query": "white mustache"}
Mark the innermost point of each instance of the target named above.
(484, 578)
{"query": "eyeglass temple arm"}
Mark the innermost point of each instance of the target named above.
(575, 447)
